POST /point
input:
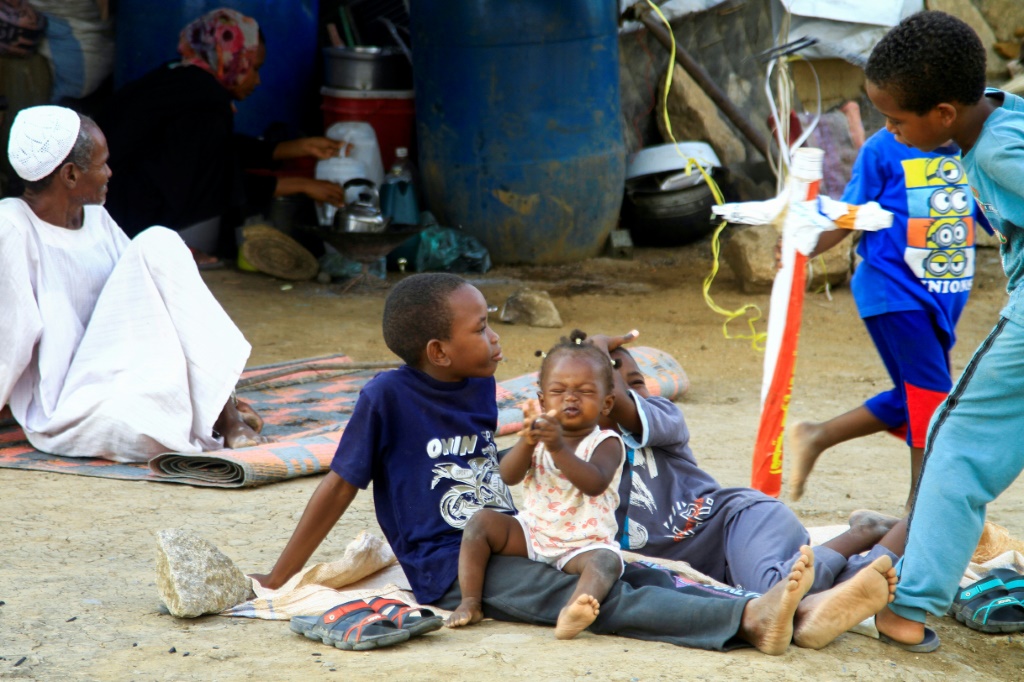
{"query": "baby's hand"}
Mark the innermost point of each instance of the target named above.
(548, 430)
(531, 412)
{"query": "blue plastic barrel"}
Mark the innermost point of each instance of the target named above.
(147, 36)
(517, 121)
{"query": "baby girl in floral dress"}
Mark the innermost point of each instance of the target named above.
(570, 470)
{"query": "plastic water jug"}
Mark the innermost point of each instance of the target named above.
(360, 144)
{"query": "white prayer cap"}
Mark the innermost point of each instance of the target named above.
(41, 139)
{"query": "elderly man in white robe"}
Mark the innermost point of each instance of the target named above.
(109, 347)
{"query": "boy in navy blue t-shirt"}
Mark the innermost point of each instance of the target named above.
(423, 435)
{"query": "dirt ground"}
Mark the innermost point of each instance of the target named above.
(77, 571)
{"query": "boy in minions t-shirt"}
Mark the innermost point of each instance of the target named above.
(910, 289)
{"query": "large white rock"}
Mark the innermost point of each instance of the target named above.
(194, 577)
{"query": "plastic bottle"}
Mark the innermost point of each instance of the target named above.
(398, 194)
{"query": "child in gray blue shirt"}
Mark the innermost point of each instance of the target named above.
(671, 508)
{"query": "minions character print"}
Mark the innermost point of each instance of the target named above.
(940, 224)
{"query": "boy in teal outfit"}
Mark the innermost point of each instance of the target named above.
(927, 76)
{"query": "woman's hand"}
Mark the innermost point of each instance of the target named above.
(318, 190)
(317, 147)
(327, 192)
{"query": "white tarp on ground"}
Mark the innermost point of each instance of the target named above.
(847, 29)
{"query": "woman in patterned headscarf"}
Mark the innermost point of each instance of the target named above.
(228, 45)
(172, 141)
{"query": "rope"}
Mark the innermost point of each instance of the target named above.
(757, 339)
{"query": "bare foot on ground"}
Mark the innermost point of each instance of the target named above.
(803, 453)
(234, 429)
(768, 620)
(898, 628)
(824, 616)
(468, 612)
(575, 617)
(251, 417)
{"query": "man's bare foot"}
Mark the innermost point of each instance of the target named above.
(251, 417)
(804, 451)
(576, 616)
(233, 428)
(899, 628)
(768, 620)
(468, 612)
(824, 616)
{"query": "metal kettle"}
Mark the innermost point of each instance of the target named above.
(362, 208)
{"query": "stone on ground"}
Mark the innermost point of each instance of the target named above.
(531, 307)
(196, 578)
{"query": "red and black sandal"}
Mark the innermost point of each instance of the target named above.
(352, 626)
(402, 615)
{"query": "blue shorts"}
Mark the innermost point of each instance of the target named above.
(916, 354)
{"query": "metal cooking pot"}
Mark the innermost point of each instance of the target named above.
(367, 68)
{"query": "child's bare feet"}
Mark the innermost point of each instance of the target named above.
(872, 523)
(824, 616)
(898, 628)
(804, 451)
(468, 612)
(576, 616)
(768, 620)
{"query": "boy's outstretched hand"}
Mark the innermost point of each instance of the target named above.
(610, 343)
(263, 580)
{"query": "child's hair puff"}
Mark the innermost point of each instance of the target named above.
(576, 343)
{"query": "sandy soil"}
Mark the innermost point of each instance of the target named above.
(78, 554)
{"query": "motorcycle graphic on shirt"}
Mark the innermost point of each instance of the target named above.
(474, 487)
(940, 224)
